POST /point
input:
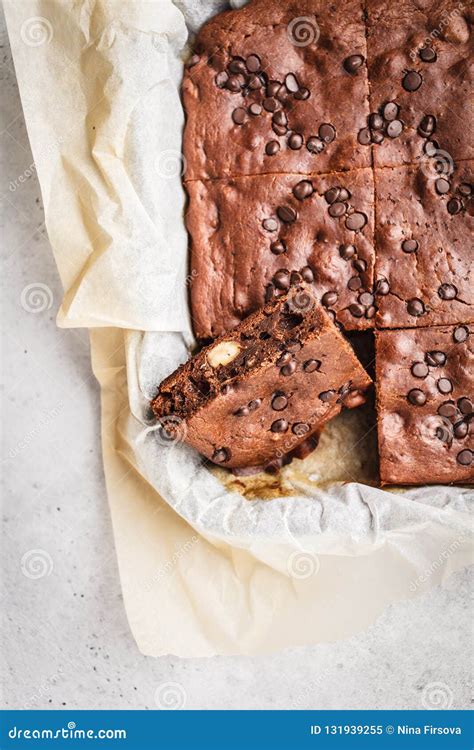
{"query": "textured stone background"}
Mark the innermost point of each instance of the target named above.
(66, 638)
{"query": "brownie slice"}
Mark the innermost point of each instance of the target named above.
(250, 236)
(420, 78)
(425, 397)
(424, 257)
(258, 392)
(277, 87)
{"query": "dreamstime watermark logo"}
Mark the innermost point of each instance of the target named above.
(437, 696)
(36, 563)
(34, 431)
(444, 555)
(300, 300)
(302, 564)
(170, 164)
(170, 696)
(36, 298)
(36, 31)
(442, 30)
(171, 563)
(171, 430)
(438, 163)
(303, 31)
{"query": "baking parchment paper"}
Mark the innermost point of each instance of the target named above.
(209, 563)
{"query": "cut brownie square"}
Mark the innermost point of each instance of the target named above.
(251, 236)
(424, 259)
(277, 87)
(425, 401)
(258, 392)
(421, 82)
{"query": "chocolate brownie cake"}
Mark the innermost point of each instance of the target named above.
(424, 249)
(252, 235)
(277, 87)
(420, 77)
(425, 396)
(259, 391)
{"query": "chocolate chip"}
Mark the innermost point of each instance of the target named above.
(382, 287)
(291, 83)
(465, 189)
(435, 358)
(419, 370)
(394, 128)
(288, 369)
(270, 104)
(460, 334)
(431, 148)
(327, 395)
(360, 265)
(329, 299)
(337, 209)
(278, 247)
(253, 63)
(273, 87)
(366, 298)
(447, 291)
(344, 194)
(302, 94)
(444, 385)
(461, 430)
(244, 411)
(254, 83)
(416, 397)
(442, 186)
(412, 81)
(415, 307)
(332, 195)
(390, 111)
(327, 132)
(465, 457)
(355, 221)
(295, 141)
(364, 136)
(303, 189)
(221, 455)
(354, 283)
(409, 246)
(295, 277)
(255, 109)
(255, 404)
(239, 115)
(447, 409)
(454, 206)
(375, 121)
(377, 137)
(237, 66)
(314, 144)
(282, 279)
(272, 148)
(284, 359)
(221, 79)
(271, 225)
(280, 118)
(287, 214)
(279, 401)
(347, 251)
(465, 405)
(280, 425)
(427, 54)
(300, 429)
(311, 365)
(352, 63)
(307, 274)
(443, 433)
(356, 310)
(427, 126)
(279, 129)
